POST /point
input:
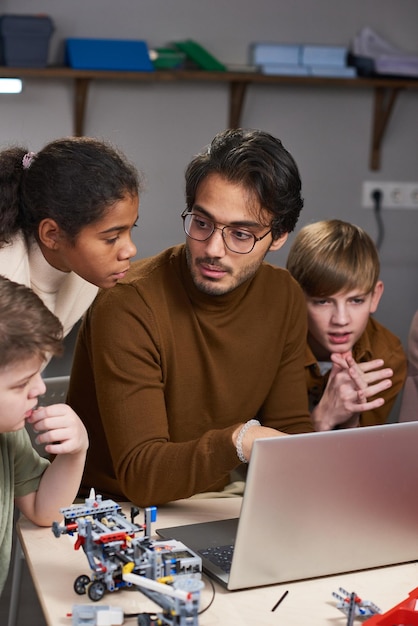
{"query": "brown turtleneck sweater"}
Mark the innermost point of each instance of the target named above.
(163, 374)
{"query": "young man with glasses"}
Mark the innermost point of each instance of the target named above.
(200, 349)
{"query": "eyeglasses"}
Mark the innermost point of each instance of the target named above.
(236, 239)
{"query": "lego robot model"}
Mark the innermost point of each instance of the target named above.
(353, 606)
(109, 542)
(180, 604)
(179, 601)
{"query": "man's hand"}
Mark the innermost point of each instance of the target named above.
(349, 391)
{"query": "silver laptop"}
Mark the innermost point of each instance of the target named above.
(317, 504)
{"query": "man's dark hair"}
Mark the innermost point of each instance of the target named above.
(260, 163)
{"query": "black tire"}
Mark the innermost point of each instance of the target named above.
(80, 584)
(144, 619)
(96, 590)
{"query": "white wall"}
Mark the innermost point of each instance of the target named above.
(160, 127)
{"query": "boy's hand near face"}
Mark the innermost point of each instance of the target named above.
(349, 389)
(63, 434)
(59, 429)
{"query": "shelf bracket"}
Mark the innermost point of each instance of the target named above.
(80, 101)
(237, 91)
(384, 101)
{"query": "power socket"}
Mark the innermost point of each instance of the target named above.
(395, 195)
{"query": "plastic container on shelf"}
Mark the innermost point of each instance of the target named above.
(24, 40)
(108, 54)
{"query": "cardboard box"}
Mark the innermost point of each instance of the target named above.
(275, 53)
(324, 55)
(108, 54)
(24, 40)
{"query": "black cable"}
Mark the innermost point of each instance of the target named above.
(213, 595)
(377, 197)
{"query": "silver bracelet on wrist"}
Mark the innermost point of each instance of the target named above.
(240, 438)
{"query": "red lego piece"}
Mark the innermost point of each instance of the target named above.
(406, 612)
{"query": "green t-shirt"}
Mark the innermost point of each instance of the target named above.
(21, 469)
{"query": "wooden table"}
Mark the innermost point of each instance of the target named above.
(54, 565)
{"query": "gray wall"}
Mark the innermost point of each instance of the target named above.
(161, 126)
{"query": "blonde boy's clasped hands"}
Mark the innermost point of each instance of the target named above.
(351, 390)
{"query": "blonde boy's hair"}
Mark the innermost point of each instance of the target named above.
(331, 256)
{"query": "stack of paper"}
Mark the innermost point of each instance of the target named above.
(387, 59)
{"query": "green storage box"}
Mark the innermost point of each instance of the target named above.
(196, 53)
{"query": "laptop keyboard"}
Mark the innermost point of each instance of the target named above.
(220, 556)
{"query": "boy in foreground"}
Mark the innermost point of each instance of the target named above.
(28, 333)
(355, 367)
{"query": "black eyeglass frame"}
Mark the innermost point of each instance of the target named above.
(187, 213)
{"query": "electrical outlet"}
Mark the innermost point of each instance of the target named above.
(395, 195)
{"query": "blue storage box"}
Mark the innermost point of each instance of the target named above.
(108, 54)
(24, 40)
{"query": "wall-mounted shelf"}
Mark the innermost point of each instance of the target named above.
(385, 90)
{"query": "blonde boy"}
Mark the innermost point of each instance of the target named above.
(28, 332)
(355, 367)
